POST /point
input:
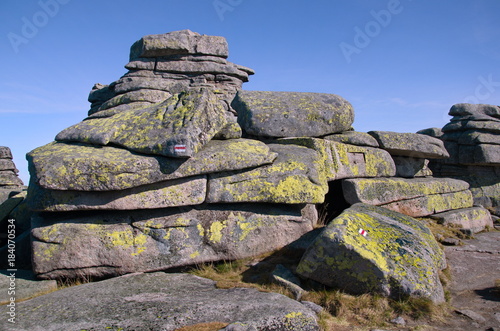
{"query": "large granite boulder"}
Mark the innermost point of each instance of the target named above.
(410, 144)
(82, 167)
(160, 301)
(295, 177)
(292, 114)
(8, 170)
(371, 249)
(415, 197)
(104, 244)
(178, 127)
(354, 138)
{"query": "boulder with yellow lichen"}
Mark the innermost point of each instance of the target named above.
(369, 249)
(112, 243)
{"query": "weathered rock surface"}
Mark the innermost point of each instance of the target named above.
(473, 139)
(379, 191)
(178, 127)
(414, 197)
(341, 160)
(295, 177)
(431, 204)
(26, 286)
(101, 244)
(372, 249)
(179, 42)
(354, 138)
(160, 301)
(187, 191)
(468, 220)
(409, 167)
(291, 114)
(80, 167)
(410, 144)
(8, 170)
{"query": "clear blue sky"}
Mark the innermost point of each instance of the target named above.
(402, 64)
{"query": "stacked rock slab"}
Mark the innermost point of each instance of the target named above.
(473, 139)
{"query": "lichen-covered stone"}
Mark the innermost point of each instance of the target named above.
(483, 154)
(410, 144)
(295, 177)
(468, 109)
(468, 220)
(378, 191)
(9, 178)
(433, 132)
(179, 42)
(5, 152)
(113, 243)
(292, 114)
(7, 164)
(161, 301)
(173, 193)
(354, 138)
(178, 127)
(409, 167)
(80, 167)
(398, 256)
(9, 205)
(432, 203)
(341, 160)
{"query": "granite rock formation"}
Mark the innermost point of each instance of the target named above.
(175, 165)
(472, 138)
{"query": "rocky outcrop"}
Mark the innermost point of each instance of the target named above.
(468, 220)
(161, 301)
(472, 138)
(372, 249)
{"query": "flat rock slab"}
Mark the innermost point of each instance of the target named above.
(25, 285)
(159, 301)
(179, 42)
(293, 178)
(468, 109)
(188, 191)
(469, 220)
(410, 144)
(409, 167)
(177, 127)
(431, 204)
(339, 160)
(378, 191)
(292, 114)
(104, 244)
(354, 138)
(82, 167)
(372, 249)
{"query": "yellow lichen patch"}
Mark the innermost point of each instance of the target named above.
(294, 314)
(215, 231)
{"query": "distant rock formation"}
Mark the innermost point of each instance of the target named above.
(472, 138)
(176, 165)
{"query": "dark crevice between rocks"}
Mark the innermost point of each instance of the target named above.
(334, 204)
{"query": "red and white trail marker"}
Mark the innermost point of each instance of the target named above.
(180, 148)
(362, 232)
